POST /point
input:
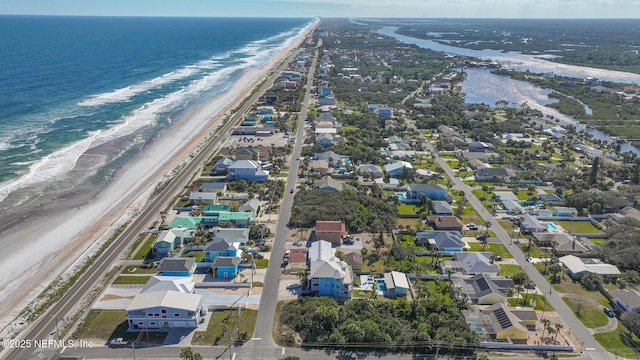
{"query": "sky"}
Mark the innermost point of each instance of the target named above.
(331, 8)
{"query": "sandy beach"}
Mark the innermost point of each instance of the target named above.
(44, 248)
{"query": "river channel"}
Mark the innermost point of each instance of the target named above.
(481, 86)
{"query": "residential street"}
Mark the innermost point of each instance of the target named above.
(589, 344)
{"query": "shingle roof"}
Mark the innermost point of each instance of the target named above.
(225, 261)
(219, 244)
(326, 225)
(476, 262)
(176, 264)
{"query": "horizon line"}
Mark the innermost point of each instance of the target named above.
(325, 17)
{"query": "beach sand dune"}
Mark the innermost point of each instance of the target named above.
(38, 249)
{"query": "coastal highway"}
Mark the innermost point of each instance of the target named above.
(46, 324)
(589, 346)
(262, 342)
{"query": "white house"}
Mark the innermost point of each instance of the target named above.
(397, 168)
(165, 309)
(581, 266)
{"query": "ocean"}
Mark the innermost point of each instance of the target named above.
(79, 96)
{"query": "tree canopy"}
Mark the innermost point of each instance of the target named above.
(358, 211)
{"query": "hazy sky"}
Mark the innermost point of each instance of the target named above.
(335, 8)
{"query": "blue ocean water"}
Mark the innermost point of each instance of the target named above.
(69, 84)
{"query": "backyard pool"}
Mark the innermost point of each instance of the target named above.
(552, 227)
(400, 196)
(381, 286)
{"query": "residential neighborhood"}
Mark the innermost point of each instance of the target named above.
(391, 211)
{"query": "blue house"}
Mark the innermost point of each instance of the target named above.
(225, 267)
(396, 284)
(441, 240)
(220, 247)
(329, 276)
(176, 266)
(431, 191)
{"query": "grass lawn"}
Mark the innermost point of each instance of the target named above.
(199, 255)
(469, 215)
(133, 269)
(508, 270)
(590, 315)
(535, 251)
(598, 241)
(376, 267)
(524, 194)
(109, 324)
(262, 263)
(507, 225)
(413, 223)
(410, 209)
(145, 251)
(612, 342)
(579, 227)
(541, 303)
(497, 249)
(567, 286)
(214, 334)
(133, 280)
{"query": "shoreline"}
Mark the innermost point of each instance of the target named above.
(60, 240)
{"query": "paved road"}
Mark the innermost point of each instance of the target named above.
(262, 344)
(595, 350)
(241, 353)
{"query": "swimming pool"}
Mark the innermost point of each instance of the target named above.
(400, 196)
(381, 286)
(552, 227)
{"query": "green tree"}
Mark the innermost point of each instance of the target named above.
(186, 353)
(593, 175)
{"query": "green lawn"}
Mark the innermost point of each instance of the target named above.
(613, 342)
(199, 255)
(590, 315)
(567, 286)
(409, 209)
(133, 269)
(579, 227)
(541, 303)
(535, 251)
(508, 270)
(214, 334)
(109, 324)
(131, 280)
(145, 251)
(262, 263)
(497, 249)
(413, 223)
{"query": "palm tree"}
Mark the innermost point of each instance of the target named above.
(186, 353)
(558, 327)
(545, 326)
(519, 289)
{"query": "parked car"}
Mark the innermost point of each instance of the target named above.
(609, 312)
